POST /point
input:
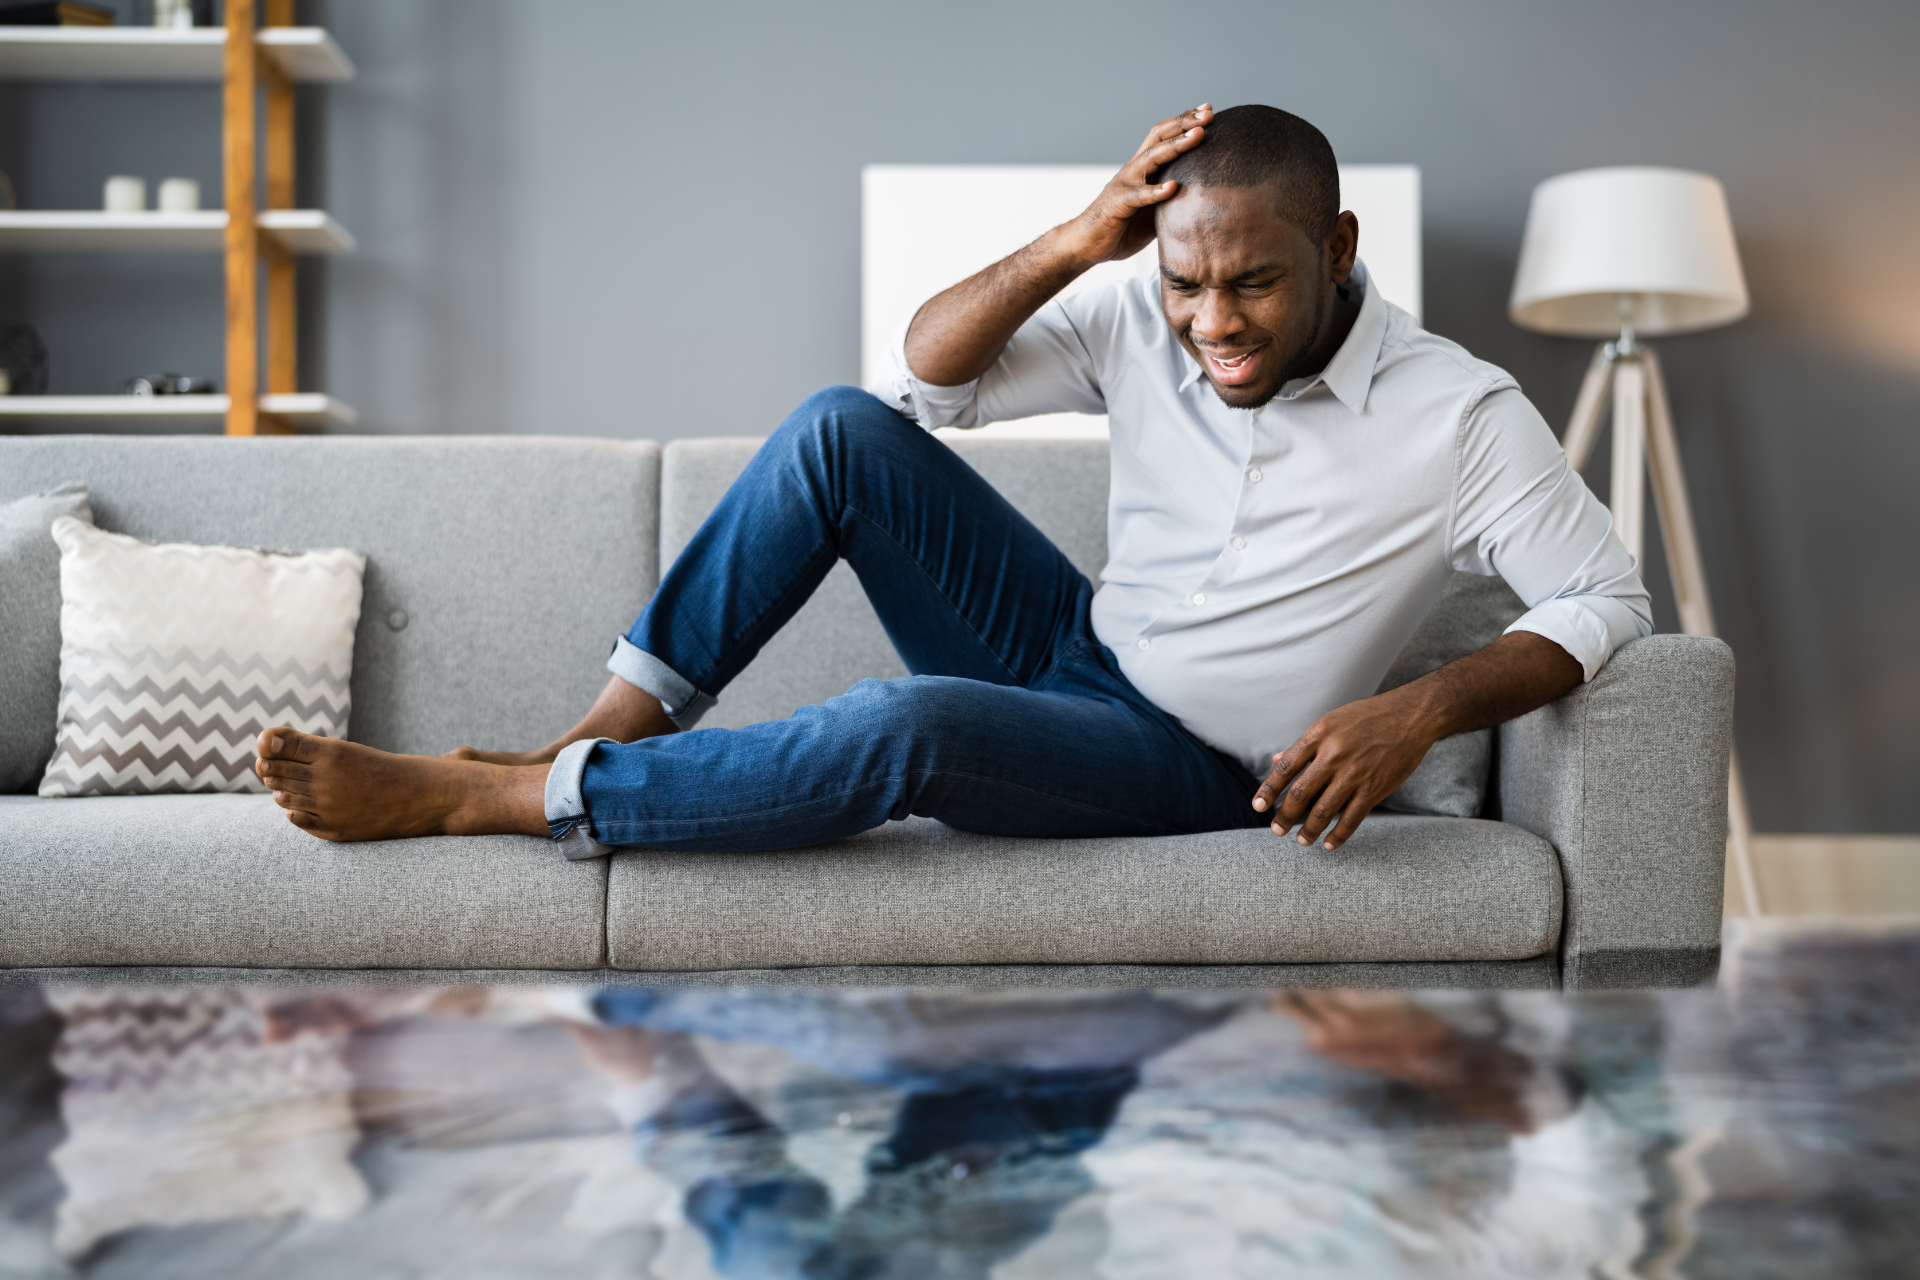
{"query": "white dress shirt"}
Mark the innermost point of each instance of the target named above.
(1267, 565)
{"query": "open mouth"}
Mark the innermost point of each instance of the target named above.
(1233, 369)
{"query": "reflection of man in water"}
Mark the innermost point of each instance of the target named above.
(1002, 1096)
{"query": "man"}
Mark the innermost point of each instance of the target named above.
(1297, 467)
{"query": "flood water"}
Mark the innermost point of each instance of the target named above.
(1767, 1126)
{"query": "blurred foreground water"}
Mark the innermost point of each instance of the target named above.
(1767, 1126)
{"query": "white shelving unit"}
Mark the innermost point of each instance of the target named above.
(89, 231)
(302, 408)
(255, 241)
(303, 54)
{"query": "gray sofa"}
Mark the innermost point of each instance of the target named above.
(499, 570)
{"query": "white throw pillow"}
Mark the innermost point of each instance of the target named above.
(174, 657)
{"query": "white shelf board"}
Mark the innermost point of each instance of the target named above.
(91, 231)
(159, 53)
(305, 408)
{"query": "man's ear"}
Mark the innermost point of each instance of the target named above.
(1342, 246)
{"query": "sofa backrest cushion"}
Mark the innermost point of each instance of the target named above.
(30, 630)
(835, 640)
(499, 570)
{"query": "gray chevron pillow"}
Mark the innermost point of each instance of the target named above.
(174, 657)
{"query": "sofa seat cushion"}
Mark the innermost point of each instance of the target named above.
(1403, 889)
(227, 880)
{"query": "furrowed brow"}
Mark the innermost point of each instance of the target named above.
(1259, 272)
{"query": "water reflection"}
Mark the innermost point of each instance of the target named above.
(1769, 1126)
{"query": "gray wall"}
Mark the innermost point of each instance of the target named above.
(592, 217)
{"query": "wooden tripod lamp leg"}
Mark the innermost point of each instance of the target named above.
(1629, 454)
(1676, 513)
(242, 240)
(1690, 594)
(1587, 408)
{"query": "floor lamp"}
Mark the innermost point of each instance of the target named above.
(1623, 253)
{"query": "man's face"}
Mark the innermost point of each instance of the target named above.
(1245, 290)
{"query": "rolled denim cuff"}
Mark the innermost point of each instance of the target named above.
(683, 703)
(567, 808)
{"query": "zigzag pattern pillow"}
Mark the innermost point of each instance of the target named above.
(174, 657)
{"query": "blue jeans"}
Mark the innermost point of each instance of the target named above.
(1015, 721)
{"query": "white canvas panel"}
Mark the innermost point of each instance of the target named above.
(924, 227)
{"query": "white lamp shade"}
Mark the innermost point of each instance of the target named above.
(1659, 238)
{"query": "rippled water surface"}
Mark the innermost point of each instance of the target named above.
(1769, 1126)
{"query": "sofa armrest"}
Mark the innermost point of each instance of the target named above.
(1627, 778)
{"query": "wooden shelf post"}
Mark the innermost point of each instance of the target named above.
(282, 337)
(238, 139)
(246, 73)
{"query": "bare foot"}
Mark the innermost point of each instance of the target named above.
(621, 712)
(344, 791)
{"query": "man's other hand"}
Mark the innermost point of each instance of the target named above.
(1355, 756)
(1347, 761)
(1120, 222)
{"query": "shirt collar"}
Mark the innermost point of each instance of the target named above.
(1349, 375)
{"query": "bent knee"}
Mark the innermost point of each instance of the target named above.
(844, 414)
(923, 704)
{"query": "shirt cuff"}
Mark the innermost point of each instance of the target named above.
(926, 404)
(1574, 627)
(567, 816)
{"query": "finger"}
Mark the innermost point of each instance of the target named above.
(1286, 765)
(1356, 813)
(1325, 810)
(1174, 126)
(1300, 796)
(1132, 199)
(1161, 154)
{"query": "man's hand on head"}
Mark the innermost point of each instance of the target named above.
(1119, 223)
(1355, 756)
(961, 331)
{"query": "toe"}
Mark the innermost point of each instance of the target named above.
(311, 824)
(283, 743)
(284, 770)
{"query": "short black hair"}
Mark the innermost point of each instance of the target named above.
(1256, 146)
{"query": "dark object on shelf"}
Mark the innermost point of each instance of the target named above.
(57, 13)
(169, 384)
(23, 360)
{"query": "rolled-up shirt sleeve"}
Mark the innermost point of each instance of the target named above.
(1524, 513)
(1046, 368)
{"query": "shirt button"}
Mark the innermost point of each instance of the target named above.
(1199, 597)
(1144, 644)
(1239, 544)
(1255, 476)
